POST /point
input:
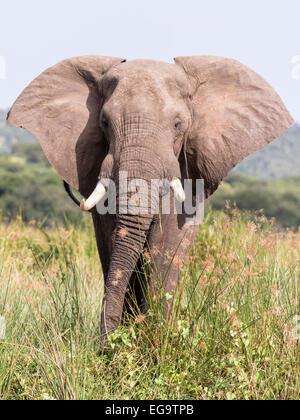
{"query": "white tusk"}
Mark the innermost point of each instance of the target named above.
(96, 196)
(178, 190)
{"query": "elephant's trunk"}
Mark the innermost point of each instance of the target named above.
(132, 228)
(130, 238)
(136, 154)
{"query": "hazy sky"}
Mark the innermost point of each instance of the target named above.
(264, 34)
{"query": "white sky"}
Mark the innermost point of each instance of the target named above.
(264, 34)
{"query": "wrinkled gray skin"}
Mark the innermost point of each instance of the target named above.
(145, 135)
(197, 118)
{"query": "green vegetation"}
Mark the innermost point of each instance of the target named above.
(31, 153)
(278, 160)
(28, 185)
(278, 198)
(234, 311)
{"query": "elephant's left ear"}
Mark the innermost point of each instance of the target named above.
(61, 108)
(235, 113)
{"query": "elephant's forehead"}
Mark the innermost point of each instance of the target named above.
(146, 74)
(147, 66)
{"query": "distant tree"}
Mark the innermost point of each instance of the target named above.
(279, 199)
(33, 153)
(35, 190)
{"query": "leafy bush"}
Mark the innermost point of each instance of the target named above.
(33, 190)
(32, 153)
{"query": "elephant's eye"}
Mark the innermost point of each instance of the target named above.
(177, 125)
(105, 124)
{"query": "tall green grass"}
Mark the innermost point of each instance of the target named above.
(230, 335)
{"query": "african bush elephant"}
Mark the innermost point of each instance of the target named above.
(197, 118)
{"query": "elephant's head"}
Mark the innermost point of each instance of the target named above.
(96, 116)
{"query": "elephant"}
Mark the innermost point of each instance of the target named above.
(196, 119)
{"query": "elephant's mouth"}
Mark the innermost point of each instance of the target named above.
(100, 191)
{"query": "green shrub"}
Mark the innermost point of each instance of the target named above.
(34, 190)
(279, 199)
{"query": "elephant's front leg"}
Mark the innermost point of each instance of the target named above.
(169, 246)
(170, 243)
(135, 298)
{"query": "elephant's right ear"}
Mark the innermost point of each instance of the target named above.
(61, 108)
